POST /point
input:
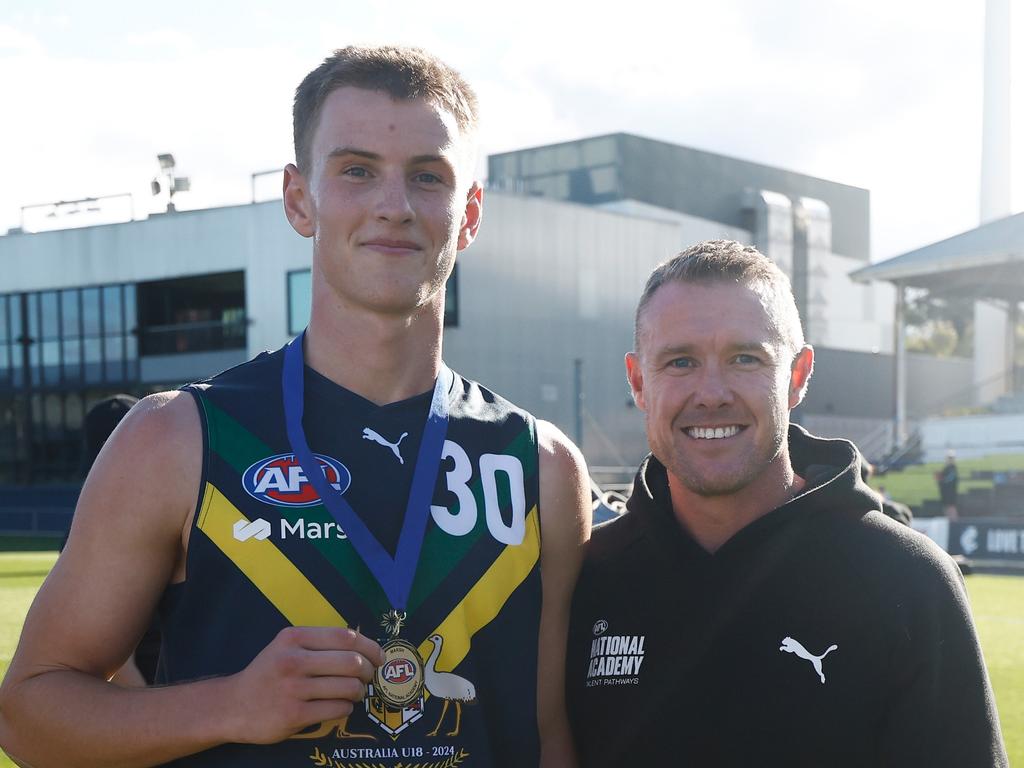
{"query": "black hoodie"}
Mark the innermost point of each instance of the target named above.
(822, 634)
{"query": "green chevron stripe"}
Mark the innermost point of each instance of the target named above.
(239, 448)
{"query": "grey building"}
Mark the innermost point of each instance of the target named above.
(816, 230)
(540, 308)
(604, 170)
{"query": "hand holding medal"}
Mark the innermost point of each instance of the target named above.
(306, 675)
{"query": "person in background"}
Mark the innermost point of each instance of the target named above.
(897, 510)
(948, 479)
(100, 422)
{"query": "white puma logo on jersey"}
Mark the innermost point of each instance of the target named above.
(369, 434)
(789, 645)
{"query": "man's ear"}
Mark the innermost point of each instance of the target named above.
(636, 379)
(298, 206)
(800, 374)
(472, 215)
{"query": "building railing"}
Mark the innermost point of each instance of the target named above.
(181, 338)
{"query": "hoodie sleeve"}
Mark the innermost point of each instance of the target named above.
(941, 711)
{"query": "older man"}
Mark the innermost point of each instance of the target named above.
(753, 606)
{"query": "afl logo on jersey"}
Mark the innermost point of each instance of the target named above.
(280, 480)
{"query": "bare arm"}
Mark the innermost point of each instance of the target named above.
(565, 512)
(127, 543)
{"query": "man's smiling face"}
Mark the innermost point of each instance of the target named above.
(716, 382)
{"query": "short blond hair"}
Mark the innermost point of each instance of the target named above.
(714, 261)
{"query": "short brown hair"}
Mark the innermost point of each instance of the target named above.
(402, 73)
(729, 261)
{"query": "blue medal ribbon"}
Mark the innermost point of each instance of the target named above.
(396, 575)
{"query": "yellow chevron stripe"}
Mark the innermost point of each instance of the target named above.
(265, 566)
(483, 602)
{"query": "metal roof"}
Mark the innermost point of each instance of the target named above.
(986, 262)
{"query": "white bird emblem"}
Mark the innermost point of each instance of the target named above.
(447, 686)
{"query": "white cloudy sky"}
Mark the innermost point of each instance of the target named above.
(882, 94)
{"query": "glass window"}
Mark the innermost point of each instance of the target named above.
(14, 318)
(91, 311)
(16, 366)
(556, 186)
(3, 320)
(541, 161)
(50, 350)
(72, 350)
(33, 315)
(505, 167)
(48, 302)
(604, 181)
(92, 351)
(130, 315)
(113, 347)
(300, 294)
(599, 151)
(69, 314)
(113, 322)
(567, 157)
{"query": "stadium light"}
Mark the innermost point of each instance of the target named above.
(167, 180)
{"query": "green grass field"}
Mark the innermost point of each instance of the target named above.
(917, 483)
(998, 603)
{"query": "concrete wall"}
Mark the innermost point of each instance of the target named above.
(972, 436)
(548, 283)
(858, 384)
(712, 186)
(703, 184)
(849, 315)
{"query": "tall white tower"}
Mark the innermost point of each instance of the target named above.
(995, 131)
(992, 334)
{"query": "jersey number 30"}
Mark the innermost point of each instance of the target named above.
(463, 520)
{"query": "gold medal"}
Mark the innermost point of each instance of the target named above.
(399, 680)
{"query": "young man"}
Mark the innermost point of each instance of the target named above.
(349, 545)
(753, 606)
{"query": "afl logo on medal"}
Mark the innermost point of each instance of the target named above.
(279, 480)
(399, 680)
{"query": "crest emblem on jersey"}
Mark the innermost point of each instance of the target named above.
(279, 480)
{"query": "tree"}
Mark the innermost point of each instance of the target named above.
(940, 324)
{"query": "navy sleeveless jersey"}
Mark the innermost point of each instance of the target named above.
(264, 554)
